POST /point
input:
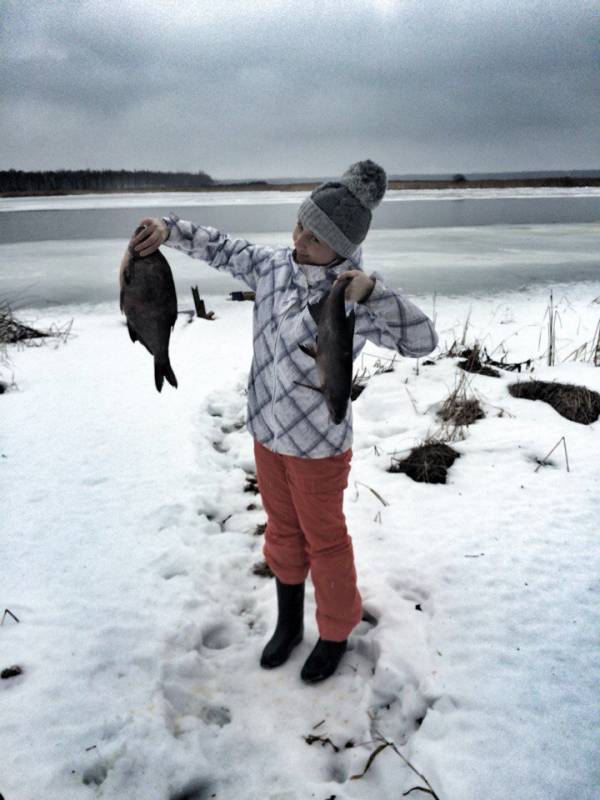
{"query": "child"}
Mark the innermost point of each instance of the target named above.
(302, 458)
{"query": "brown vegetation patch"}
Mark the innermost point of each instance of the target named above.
(251, 484)
(262, 569)
(13, 331)
(359, 384)
(472, 363)
(428, 463)
(458, 409)
(577, 403)
(461, 410)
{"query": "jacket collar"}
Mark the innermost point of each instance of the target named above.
(318, 278)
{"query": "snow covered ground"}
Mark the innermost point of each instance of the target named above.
(128, 543)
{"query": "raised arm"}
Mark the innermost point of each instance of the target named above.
(236, 256)
(390, 319)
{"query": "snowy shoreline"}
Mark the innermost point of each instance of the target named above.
(128, 548)
(239, 197)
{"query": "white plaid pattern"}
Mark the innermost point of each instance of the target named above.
(283, 416)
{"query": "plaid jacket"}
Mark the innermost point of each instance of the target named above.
(283, 416)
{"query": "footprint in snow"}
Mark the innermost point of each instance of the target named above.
(216, 637)
(195, 790)
(416, 595)
(95, 774)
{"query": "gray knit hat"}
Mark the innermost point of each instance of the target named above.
(339, 212)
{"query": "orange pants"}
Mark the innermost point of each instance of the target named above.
(306, 530)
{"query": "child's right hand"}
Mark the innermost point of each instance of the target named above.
(150, 238)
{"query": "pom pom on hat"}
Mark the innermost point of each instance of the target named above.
(367, 181)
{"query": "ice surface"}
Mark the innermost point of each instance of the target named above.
(127, 552)
(172, 199)
(426, 260)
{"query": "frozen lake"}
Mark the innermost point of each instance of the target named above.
(57, 250)
(28, 219)
(452, 261)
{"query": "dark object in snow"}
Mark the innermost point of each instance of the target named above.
(194, 790)
(461, 410)
(428, 463)
(260, 529)
(428, 363)
(13, 331)
(418, 607)
(11, 672)
(323, 740)
(472, 363)
(577, 403)
(371, 619)
(359, 384)
(7, 610)
(3, 387)
(200, 306)
(262, 569)
(333, 349)
(149, 302)
(242, 296)
(251, 485)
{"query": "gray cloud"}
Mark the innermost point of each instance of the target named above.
(286, 88)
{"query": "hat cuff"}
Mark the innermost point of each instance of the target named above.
(316, 220)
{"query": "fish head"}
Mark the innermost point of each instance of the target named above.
(337, 404)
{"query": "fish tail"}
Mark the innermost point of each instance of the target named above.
(162, 370)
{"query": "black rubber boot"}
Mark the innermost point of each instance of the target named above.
(290, 625)
(323, 661)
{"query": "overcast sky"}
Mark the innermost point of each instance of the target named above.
(267, 88)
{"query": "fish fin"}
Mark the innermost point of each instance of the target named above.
(162, 370)
(308, 386)
(132, 334)
(309, 349)
(158, 376)
(170, 375)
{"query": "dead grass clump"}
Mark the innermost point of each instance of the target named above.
(460, 410)
(359, 384)
(362, 378)
(472, 363)
(577, 403)
(13, 331)
(262, 569)
(251, 484)
(428, 463)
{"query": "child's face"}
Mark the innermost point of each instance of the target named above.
(310, 249)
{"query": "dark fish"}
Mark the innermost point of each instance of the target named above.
(333, 351)
(149, 302)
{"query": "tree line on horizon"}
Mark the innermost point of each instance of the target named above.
(66, 180)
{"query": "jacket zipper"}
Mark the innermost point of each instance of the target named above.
(275, 370)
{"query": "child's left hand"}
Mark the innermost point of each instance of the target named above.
(359, 288)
